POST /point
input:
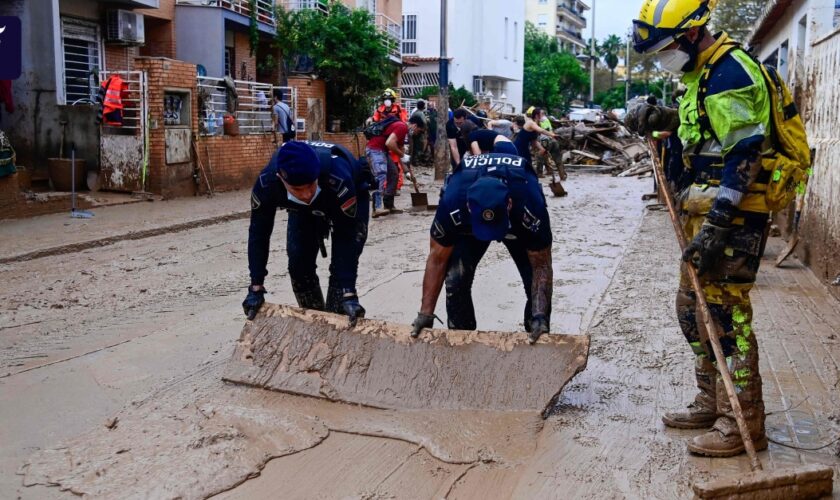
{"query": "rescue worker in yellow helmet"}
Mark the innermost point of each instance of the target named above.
(723, 122)
(390, 107)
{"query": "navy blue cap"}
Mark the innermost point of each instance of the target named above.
(297, 163)
(487, 200)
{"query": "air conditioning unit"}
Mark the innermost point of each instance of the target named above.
(125, 27)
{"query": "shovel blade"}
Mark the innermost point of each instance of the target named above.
(419, 200)
(378, 364)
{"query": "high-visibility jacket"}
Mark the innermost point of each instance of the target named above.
(396, 109)
(720, 146)
(112, 103)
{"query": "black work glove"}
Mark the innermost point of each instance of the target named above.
(422, 321)
(707, 247)
(539, 325)
(252, 303)
(351, 307)
(644, 118)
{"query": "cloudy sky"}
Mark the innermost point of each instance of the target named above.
(612, 17)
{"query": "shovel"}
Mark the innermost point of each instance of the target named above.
(418, 199)
(555, 186)
(809, 481)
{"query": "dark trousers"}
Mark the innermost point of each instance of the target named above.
(460, 273)
(305, 233)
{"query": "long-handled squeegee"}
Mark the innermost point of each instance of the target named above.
(810, 481)
(74, 213)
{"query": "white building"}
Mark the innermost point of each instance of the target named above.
(485, 47)
(783, 35)
(562, 19)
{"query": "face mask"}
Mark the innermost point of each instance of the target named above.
(388, 103)
(294, 199)
(673, 61)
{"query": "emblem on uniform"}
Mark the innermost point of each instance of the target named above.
(255, 202)
(488, 215)
(349, 207)
(530, 222)
(437, 230)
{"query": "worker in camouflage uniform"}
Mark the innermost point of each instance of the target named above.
(724, 124)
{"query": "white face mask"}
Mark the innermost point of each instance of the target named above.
(388, 103)
(294, 199)
(673, 61)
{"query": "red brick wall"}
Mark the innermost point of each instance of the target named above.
(242, 53)
(120, 58)
(14, 204)
(160, 39)
(166, 10)
(163, 74)
(347, 140)
(234, 161)
(308, 88)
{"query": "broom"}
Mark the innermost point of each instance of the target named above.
(809, 481)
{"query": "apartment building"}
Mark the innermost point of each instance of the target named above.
(485, 48)
(562, 19)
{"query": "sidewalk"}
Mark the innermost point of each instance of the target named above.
(58, 233)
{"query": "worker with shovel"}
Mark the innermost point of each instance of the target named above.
(723, 122)
(325, 190)
(490, 197)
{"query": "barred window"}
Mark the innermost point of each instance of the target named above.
(409, 44)
(82, 59)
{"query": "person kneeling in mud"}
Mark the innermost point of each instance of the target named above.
(491, 197)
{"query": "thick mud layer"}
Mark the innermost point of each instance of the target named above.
(206, 439)
(378, 364)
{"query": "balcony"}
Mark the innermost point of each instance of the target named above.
(264, 14)
(573, 15)
(572, 36)
(134, 4)
(393, 30)
(321, 5)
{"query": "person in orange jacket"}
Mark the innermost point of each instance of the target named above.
(390, 106)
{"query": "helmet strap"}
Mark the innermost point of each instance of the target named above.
(692, 49)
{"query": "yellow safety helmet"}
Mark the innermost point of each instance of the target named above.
(389, 94)
(663, 21)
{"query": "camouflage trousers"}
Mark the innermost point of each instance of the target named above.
(551, 162)
(727, 289)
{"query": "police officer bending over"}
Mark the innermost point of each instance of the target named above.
(489, 197)
(325, 190)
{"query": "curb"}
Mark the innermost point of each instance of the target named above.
(135, 235)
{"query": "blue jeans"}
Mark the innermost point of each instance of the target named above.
(386, 174)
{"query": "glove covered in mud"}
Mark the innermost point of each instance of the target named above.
(422, 321)
(539, 325)
(352, 308)
(644, 118)
(707, 247)
(255, 299)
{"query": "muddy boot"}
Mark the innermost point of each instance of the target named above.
(702, 412)
(389, 205)
(724, 440)
(308, 293)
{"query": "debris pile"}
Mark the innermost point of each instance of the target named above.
(604, 145)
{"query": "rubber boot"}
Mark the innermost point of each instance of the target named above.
(308, 293)
(378, 209)
(702, 412)
(389, 205)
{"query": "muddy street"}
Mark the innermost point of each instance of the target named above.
(112, 353)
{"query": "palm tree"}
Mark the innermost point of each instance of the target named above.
(609, 50)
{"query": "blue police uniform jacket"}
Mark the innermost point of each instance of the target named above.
(529, 221)
(339, 209)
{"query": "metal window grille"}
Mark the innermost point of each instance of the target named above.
(412, 83)
(134, 99)
(409, 34)
(254, 111)
(228, 61)
(81, 60)
(321, 5)
(264, 8)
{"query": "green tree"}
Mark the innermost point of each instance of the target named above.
(736, 17)
(456, 96)
(552, 78)
(609, 50)
(349, 52)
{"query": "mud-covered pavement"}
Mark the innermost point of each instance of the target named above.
(142, 329)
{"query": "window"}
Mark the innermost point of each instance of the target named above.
(409, 34)
(783, 60)
(543, 2)
(229, 61)
(515, 39)
(506, 38)
(370, 5)
(81, 59)
(542, 20)
(478, 85)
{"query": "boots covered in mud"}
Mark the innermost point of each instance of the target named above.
(702, 412)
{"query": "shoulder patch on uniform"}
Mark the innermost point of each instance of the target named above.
(335, 182)
(255, 201)
(456, 217)
(437, 230)
(529, 221)
(349, 207)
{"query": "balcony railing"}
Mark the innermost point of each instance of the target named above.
(321, 5)
(573, 14)
(393, 30)
(253, 113)
(265, 8)
(572, 36)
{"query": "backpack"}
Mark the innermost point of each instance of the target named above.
(362, 173)
(790, 160)
(377, 129)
